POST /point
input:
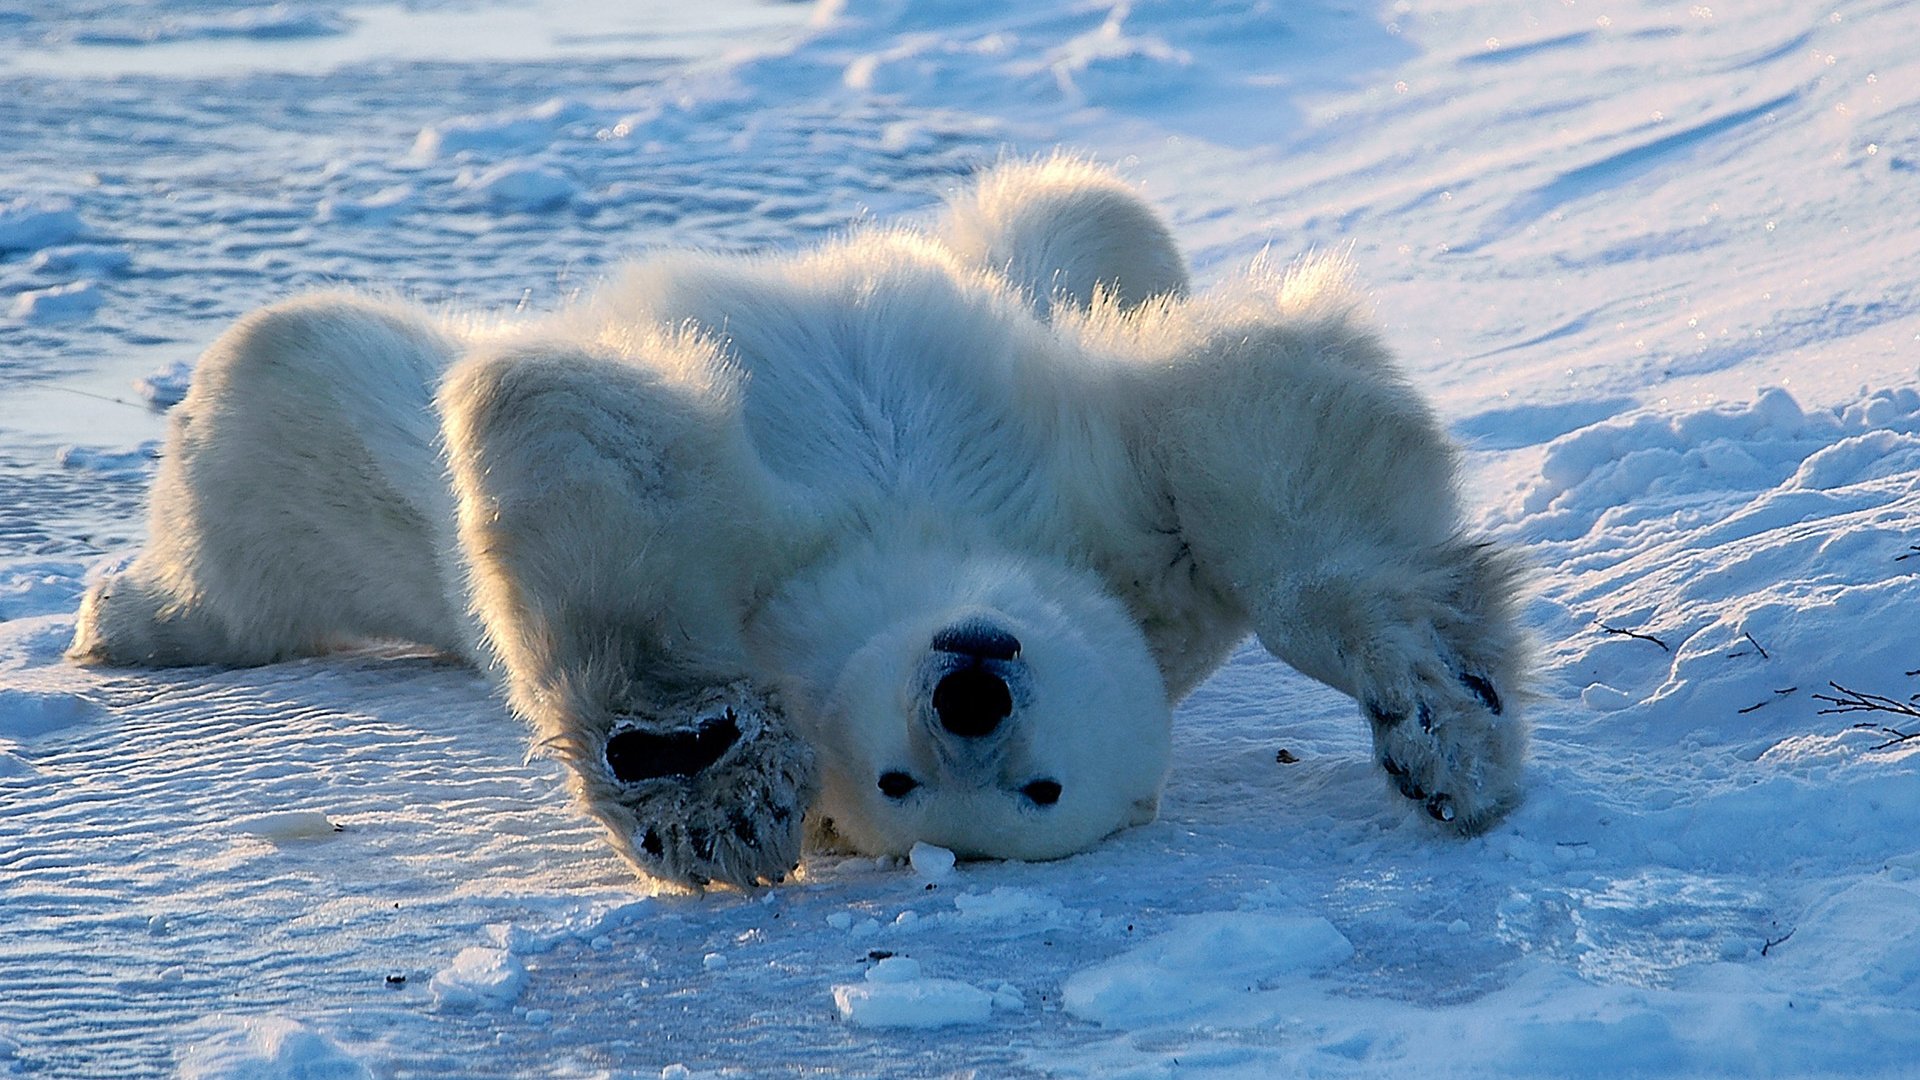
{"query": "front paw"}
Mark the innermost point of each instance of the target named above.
(703, 789)
(1448, 739)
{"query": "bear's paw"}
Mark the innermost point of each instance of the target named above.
(708, 789)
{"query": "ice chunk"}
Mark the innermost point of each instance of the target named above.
(897, 994)
(165, 388)
(930, 862)
(478, 977)
(287, 825)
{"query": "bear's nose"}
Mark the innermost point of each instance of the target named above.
(972, 702)
(979, 639)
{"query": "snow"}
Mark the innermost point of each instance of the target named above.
(166, 387)
(1200, 965)
(478, 976)
(57, 303)
(1656, 264)
(266, 1048)
(896, 994)
(31, 222)
(931, 862)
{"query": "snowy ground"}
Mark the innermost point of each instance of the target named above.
(1659, 264)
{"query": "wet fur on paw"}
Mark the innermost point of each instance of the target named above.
(709, 787)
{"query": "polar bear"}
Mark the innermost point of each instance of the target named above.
(915, 536)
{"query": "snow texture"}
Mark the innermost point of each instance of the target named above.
(1659, 266)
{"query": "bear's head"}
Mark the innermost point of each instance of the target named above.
(998, 706)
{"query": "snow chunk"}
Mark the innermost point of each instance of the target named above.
(930, 862)
(109, 461)
(60, 303)
(41, 587)
(32, 222)
(1603, 698)
(510, 132)
(83, 261)
(1866, 939)
(167, 387)
(287, 825)
(1008, 904)
(897, 994)
(380, 207)
(1874, 455)
(25, 714)
(479, 977)
(1201, 964)
(267, 1048)
(522, 187)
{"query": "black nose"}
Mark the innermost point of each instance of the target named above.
(972, 702)
(979, 639)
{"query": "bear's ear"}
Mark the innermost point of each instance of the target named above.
(1145, 810)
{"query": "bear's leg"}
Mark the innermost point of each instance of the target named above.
(1064, 231)
(298, 504)
(613, 522)
(1313, 484)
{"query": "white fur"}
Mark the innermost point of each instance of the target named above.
(749, 492)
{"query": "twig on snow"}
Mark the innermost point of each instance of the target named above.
(1912, 550)
(1882, 729)
(1854, 701)
(1771, 700)
(1771, 942)
(1637, 636)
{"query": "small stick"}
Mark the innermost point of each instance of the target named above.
(1781, 940)
(1769, 701)
(1757, 645)
(1912, 550)
(1631, 634)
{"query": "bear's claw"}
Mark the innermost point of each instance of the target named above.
(709, 789)
(1452, 760)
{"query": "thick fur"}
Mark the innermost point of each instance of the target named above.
(744, 537)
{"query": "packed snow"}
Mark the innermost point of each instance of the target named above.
(1658, 265)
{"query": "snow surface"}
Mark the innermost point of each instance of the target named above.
(1658, 264)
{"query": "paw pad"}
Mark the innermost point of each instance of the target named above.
(1482, 689)
(636, 755)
